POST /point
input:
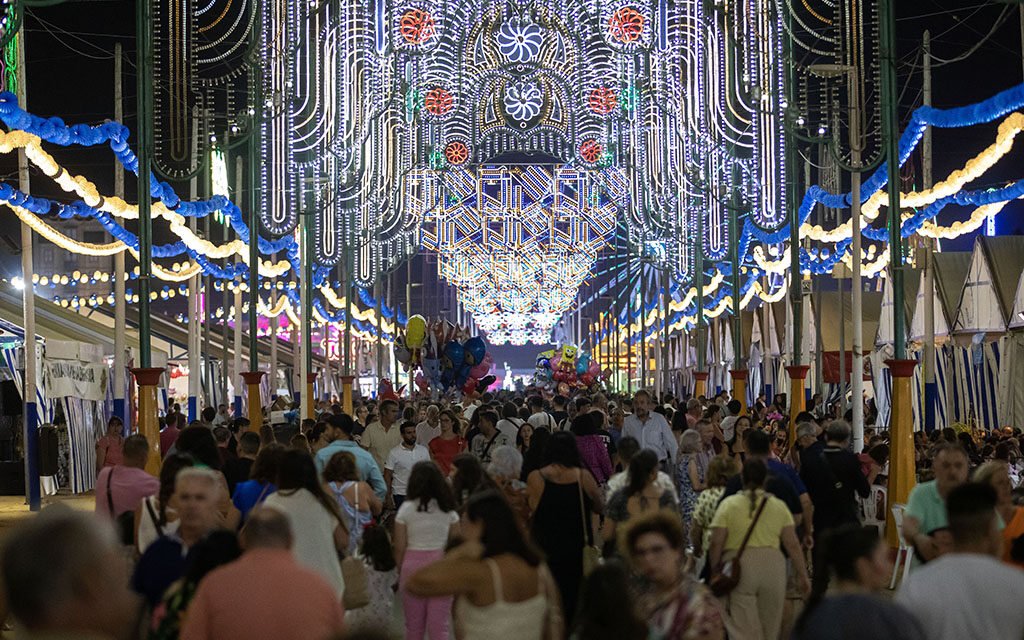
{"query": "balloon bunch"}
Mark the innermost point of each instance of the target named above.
(445, 356)
(567, 368)
(386, 390)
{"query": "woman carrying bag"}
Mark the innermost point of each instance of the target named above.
(746, 533)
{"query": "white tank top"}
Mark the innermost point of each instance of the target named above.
(506, 620)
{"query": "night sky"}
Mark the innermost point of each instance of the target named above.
(70, 68)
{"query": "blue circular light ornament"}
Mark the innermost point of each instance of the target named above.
(519, 40)
(523, 101)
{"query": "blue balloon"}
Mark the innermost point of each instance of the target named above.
(454, 354)
(582, 364)
(475, 348)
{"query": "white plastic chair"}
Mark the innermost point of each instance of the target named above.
(873, 515)
(905, 552)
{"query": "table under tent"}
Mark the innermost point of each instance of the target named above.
(980, 332)
(74, 391)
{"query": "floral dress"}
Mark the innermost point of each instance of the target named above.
(686, 613)
(687, 493)
(376, 616)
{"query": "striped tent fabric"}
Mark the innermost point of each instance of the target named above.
(942, 356)
(882, 383)
(975, 385)
(45, 410)
(942, 375)
(754, 374)
(85, 420)
(774, 373)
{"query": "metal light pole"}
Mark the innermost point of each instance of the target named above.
(194, 323)
(891, 136)
(120, 324)
(931, 392)
(852, 74)
(144, 99)
(146, 375)
(33, 491)
(902, 477)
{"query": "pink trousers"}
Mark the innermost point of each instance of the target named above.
(429, 616)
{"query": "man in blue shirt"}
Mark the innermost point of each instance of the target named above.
(339, 430)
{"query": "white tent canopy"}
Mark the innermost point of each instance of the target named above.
(911, 287)
(950, 273)
(1017, 313)
(988, 292)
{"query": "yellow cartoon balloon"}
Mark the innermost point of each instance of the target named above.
(415, 332)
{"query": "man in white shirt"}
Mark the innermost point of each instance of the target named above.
(400, 463)
(430, 428)
(540, 418)
(968, 593)
(510, 421)
(651, 430)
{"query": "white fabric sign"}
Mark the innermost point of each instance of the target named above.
(74, 379)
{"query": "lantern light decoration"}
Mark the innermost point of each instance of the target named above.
(509, 137)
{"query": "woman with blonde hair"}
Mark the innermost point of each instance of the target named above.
(689, 474)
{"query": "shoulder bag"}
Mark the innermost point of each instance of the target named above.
(591, 554)
(152, 515)
(727, 574)
(353, 570)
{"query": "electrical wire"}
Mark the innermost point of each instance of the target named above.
(939, 62)
(51, 28)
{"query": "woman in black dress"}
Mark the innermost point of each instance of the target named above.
(556, 493)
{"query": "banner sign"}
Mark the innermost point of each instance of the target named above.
(74, 379)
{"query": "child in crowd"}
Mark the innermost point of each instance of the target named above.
(382, 578)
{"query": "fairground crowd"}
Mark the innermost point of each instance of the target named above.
(522, 517)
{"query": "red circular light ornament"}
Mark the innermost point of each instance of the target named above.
(603, 101)
(591, 150)
(456, 152)
(417, 26)
(626, 25)
(438, 101)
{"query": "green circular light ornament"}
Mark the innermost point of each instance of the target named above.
(437, 160)
(413, 100)
(629, 97)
